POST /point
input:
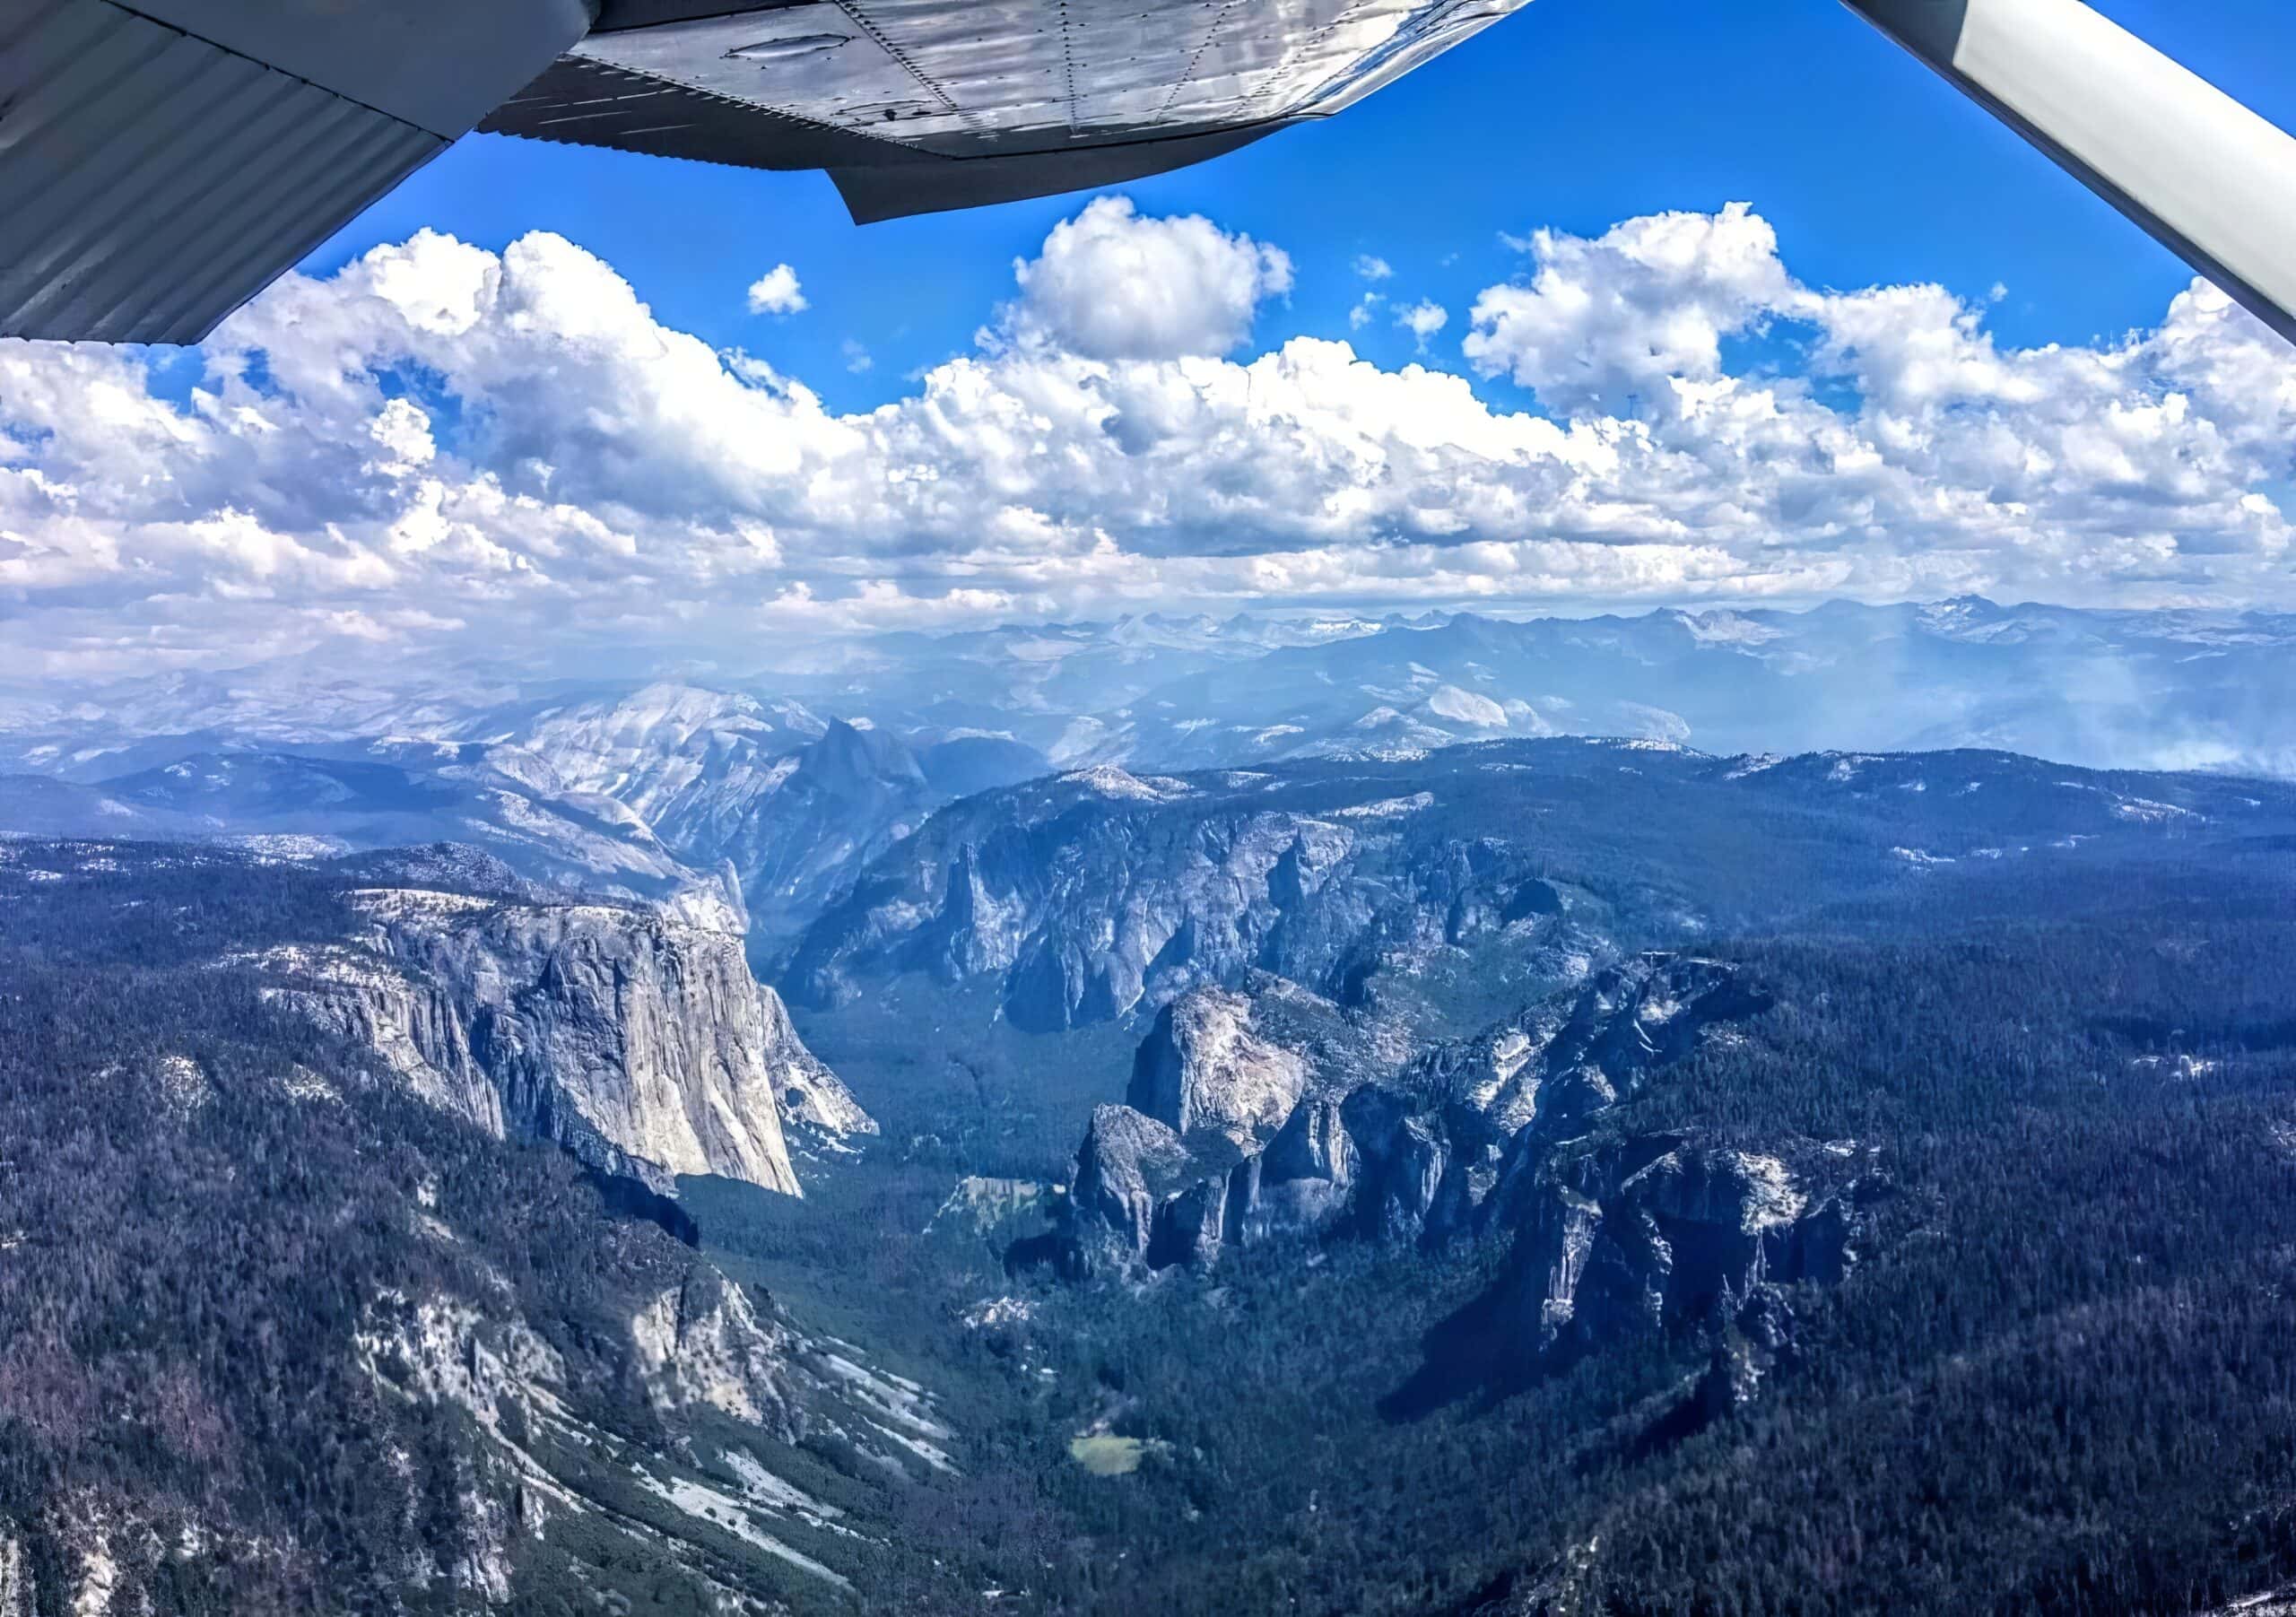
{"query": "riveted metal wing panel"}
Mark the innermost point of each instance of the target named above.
(1029, 96)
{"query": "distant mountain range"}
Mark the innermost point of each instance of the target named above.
(2119, 689)
(760, 800)
(306, 802)
(1441, 887)
(2108, 689)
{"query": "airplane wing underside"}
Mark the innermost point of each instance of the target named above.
(917, 106)
(162, 161)
(587, 102)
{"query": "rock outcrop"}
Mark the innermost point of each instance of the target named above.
(643, 1046)
(714, 1365)
(1203, 1069)
(788, 804)
(701, 1343)
(1100, 894)
(1654, 1231)
(811, 1094)
(1272, 1113)
(1234, 1131)
(1129, 1171)
(18, 1597)
(1505, 1134)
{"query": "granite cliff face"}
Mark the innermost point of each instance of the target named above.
(641, 1045)
(1098, 895)
(1399, 884)
(1204, 1069)
(726, 1381)
(1507, 1133)
(700, 1343)
(1289, 1116)
(515, 1380)
(1131, 1173)
(1654, 1231)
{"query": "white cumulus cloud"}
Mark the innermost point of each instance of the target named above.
(777, 292)
(441, 446)
(1625, 313)
(1422, 320)
(1110, 285)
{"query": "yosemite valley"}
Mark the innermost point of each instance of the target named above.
(1387, 1116)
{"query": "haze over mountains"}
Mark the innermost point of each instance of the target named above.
(757, 801)
(2108, 689)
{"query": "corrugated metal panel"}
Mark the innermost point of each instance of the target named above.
(150, 183)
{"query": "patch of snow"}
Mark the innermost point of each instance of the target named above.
(1107, 780)
(290, 846)
(2145, 812)
(899, 1401)
(1387, 808)
(1726, 627)
(1771, 1199)
(764, 1489)
(398, 904)
(1465, 707)
(937, 1458)
(722, 1510)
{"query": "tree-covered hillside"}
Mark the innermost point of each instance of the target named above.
(2058, 1376)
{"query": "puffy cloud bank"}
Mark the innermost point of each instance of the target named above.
(443, 447)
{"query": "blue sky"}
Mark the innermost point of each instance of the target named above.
(1573, 114)
(1756, 357)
